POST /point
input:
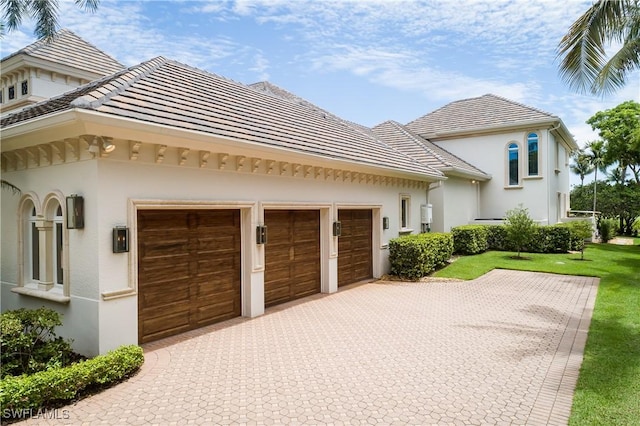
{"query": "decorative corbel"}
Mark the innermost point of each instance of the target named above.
(59, 150)
(284, 167)
(240, 159)
(204, 158)
(183, 153)
(255, 164)
(160, 151)
(222, 161)
(270, 165)
(134, 150)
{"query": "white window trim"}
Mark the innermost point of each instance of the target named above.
(507, 177)
(45, 217)
(405, 214)
(526, 161)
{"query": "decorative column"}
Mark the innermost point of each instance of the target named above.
(45, 233)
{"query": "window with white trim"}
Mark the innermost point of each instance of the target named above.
(533, 154)
(513, 164)
(405, 208)
(32, 247)
(57, 249)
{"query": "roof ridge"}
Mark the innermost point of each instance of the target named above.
(120, 83)
(520, 104)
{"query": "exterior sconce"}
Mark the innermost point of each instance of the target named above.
(385, 222)
(75, 212)
(120, 239)
(261, 234)
(94, 146)
(337, 228)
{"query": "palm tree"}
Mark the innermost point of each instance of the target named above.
(581, 165)
(618, 175)
(45, 13)
(585, 66)
(596, 159)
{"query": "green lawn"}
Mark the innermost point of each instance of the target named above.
(608, 390)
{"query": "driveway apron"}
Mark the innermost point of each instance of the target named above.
(505, 349)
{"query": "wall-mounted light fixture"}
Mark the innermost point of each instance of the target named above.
(385, 222)
(261, 234)
(107, 145)
(75, 212)
(337, 228)
(120, 239)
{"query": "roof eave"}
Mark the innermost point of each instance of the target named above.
(489, 129)
(79, 121)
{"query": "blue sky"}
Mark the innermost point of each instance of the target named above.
(366, 61)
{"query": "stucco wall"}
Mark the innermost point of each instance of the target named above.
(488, 153)
(111, 185)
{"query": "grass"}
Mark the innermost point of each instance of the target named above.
(608, 389)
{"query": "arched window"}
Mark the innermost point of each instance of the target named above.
(532, 150)
(32, 246)
(58, 221)
(512, 155)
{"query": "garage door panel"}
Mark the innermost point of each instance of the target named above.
(355, 246)
(188, 270)
(292, 255)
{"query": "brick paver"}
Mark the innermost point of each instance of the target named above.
(503, 349)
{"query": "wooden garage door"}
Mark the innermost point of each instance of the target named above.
(188, 270)
(292, 255)
(355, 246)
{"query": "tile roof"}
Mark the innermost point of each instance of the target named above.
(70, 50)
(169, 93)
(476, 114)
(423, 150)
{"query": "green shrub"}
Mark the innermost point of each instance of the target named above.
(415, 256)
(549, 239)
(28, 343)
(607, 229)
(469, 239)
(42, 389)
(497, 238)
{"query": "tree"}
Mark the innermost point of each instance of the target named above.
(596, 157)
(619, 128)
(620, 202)
(520, 227)
(44, 12)
(582, 229)
(581, 165)
(586, 66)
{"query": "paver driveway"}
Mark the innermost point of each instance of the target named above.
(502, 349)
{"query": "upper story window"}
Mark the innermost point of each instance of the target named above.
(24, 88)
(513, 165)
(12, 92)
(533, 154)
(1, 96)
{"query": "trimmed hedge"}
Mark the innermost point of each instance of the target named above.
(470, 239)
(45, 388)
(415, 256)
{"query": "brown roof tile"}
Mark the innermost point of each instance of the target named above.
(423, 150)
(169, 93)
(475, 114)
(70, 50)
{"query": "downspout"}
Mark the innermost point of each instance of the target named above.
(549, 214)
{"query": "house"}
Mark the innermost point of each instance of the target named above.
(161, 198)
(526, 152)
(43, 70)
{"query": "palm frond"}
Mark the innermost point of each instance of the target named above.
(45, 14)
(6, 185)
(585, 67)
(14, 10)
